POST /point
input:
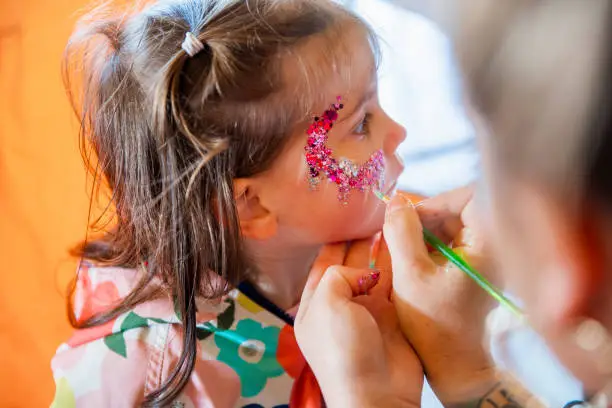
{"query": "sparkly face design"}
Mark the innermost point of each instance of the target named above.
(345, 173)
(357, 128)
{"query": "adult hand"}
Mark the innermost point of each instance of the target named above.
(441, 311)
(352, 341)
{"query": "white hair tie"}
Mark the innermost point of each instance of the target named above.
(192, 44)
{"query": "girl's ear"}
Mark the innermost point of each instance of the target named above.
(256, 221)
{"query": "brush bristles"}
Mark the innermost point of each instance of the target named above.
(382, 197)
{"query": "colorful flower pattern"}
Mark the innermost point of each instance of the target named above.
(64, 397)
(247, 357)
(250, 349)
(91, 300)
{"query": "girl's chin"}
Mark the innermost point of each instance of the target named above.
(373, 229)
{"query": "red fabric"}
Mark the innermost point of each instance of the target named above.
(306, 392)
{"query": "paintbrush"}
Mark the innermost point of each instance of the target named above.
(456, 259)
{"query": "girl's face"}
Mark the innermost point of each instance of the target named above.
(363, 139)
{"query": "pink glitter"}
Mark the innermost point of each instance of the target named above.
(345, 173)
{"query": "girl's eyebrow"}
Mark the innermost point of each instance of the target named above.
(365, 97)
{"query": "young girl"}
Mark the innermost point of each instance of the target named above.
(237, 138)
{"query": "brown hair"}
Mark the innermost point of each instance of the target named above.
(540, 71)
(170, 133)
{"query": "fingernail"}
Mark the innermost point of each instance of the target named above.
(367, 282)
(399, 201)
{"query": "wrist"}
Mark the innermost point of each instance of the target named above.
(378, 402)
(364, 395)
(506, 392)
(464, 385)
(389, 400)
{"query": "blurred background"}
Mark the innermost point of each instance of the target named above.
(43, 190)
(43, 201)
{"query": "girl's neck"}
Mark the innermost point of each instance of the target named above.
(283, 272)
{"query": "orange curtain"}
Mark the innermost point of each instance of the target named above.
(43, 200)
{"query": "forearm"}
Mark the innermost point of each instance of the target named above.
(362, 396)
(377, 404)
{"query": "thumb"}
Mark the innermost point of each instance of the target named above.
(345, 283)
(337, 284)
(404, 235)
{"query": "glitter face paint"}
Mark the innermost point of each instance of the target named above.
(345, 173)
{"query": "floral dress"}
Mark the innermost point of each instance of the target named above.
(247, 355)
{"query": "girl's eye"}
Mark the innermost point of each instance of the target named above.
(362, 129)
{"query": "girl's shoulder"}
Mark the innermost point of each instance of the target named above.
(99, 289)
(118, 363)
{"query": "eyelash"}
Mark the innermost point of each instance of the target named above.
(363, 124)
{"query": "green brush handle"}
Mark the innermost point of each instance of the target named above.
(471, 272)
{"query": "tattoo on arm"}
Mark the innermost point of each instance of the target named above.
(498, 397)
(503, 395)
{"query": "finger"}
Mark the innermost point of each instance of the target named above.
(344, 283)
(471, 219)
(453, 201)
(382, 310)
(479, 259)
(329, 255)
(404, 235)
(338, 283)
(358, 253)
(384, 265)
(470, 238)
(443, 214)
(361, 252)
(415, 198)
